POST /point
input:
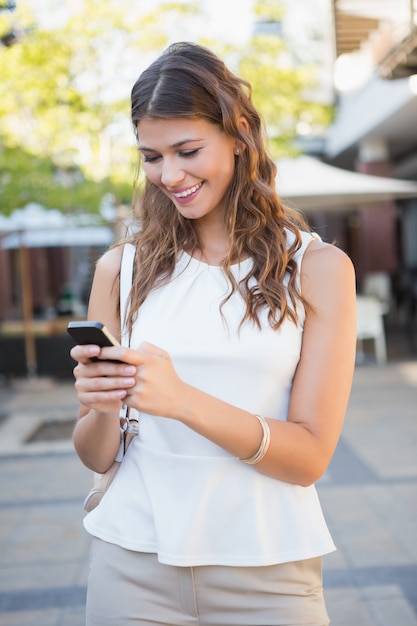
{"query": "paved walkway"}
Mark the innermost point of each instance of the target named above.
(369, 496)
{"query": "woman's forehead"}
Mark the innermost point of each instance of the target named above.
(174, 131)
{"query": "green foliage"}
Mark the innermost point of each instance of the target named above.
(269, 10)
(26, 177)
(64, 99)
(64, 95)
(280, 86)
(279, 92)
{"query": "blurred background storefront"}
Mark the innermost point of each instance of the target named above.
(358, 187)
(46, 264)
(345, 147)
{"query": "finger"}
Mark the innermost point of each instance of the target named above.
(123, 354)
(104, 367)
(105, 384)
(109, 401)
(83, 354)
(151, 349)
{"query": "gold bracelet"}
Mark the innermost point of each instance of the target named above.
(263, 448)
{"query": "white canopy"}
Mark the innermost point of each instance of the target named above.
(37, 227)
(59, 237)
(311, 185)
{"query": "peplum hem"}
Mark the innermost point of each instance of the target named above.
(184, 512)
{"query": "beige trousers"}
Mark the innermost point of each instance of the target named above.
(133, 588)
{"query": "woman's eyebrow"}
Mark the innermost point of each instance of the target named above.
(178, 144)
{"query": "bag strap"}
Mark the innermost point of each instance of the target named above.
(126, 277)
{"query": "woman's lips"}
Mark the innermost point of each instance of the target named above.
(187, 195)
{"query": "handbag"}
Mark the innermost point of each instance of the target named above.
(129, 424)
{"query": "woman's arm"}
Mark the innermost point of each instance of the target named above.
(300, 448)
(101, 386)
(323, 379)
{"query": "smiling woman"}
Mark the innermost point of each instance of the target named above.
(242, 343)
(190, 161)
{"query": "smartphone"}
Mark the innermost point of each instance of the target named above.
(91, 332)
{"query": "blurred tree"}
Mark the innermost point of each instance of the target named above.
(27, 177)
(280, 87)
(64, 94)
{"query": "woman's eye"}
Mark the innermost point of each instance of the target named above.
(150, 159)
(189, 153)
(186, 154)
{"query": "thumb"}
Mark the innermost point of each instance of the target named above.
(152, 350)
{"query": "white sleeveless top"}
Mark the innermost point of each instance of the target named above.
(178, 494)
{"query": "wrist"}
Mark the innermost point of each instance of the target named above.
(185, 412)
(101, 416)
(255, 458)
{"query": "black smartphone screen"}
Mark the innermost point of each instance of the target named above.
(91, 332)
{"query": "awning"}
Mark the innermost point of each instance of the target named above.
(89, 236)
(37, 227)
(310, 185)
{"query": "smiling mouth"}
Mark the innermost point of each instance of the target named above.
(188, 192)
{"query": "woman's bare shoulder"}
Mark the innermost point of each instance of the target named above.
(106, 274)
(321, 255)
(325, 267)
(103, 304)
(109, 263)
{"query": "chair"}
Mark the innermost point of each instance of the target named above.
(378, 285)
(370, 325)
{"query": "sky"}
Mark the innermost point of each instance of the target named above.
(229, 20)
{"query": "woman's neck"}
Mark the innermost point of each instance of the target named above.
(214, 243)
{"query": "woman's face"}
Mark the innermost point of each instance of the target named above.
(191, 161)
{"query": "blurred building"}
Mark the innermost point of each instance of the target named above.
(367, 54)
(375, 77)
(46, 264)
(375, 132)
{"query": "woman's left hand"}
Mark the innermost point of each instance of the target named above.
(158, 389)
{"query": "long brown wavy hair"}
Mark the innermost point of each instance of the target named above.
(189, 81)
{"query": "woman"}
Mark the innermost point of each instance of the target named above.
(240, 363)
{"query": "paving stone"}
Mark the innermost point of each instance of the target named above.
(345, 608)
(369, 497)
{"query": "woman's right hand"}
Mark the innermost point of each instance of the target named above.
(102, 384)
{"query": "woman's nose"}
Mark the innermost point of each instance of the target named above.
(171, 173)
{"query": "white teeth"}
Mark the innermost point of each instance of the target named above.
(188, 192)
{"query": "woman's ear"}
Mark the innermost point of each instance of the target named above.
(244, 128)
(244, 124)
